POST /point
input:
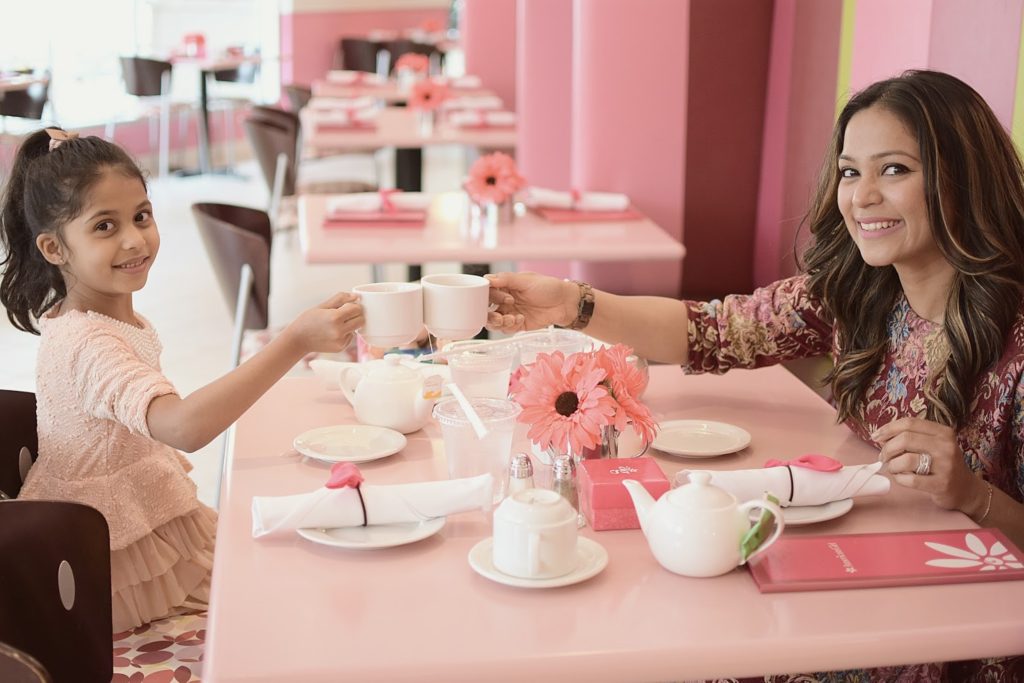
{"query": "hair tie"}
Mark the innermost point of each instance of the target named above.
(58, 136)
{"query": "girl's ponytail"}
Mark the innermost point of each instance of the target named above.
(29, 284)
(45, 191)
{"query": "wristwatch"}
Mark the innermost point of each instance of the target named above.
(585, 308)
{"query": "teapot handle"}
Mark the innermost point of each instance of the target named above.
(780, 523)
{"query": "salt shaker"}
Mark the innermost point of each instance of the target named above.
(563, 479)
(520, 474)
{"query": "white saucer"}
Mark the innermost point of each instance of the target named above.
(810, 514)
(700, 438)
(349, 443)
(376, 536)
(591, 558)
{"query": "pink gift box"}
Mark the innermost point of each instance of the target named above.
(604, 500)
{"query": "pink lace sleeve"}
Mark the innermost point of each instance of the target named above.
(112, 382)
(775, 323)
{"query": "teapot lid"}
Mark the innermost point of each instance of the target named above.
(701, 494)
(392, 370)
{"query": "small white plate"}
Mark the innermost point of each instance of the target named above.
(591, 558)
(349, 443)
(376, 536)
(700, 438)
(798, 515)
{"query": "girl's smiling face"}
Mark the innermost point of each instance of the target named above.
(881, 193)
(107, 250)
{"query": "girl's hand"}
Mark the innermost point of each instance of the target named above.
(528, 301)
(328, 327)
(949, 482)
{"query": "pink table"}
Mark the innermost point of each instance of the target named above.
(452, 234)
(400, 127)
(288, 610)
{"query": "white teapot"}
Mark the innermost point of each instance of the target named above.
(696, 529)
(390, 395)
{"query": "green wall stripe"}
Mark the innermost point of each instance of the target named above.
(846, 54)
(1018, 100)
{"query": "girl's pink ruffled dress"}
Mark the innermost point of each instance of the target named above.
(95, 378)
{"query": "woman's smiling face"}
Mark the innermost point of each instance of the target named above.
(881, 193)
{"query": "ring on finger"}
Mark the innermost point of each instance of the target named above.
(924, 464)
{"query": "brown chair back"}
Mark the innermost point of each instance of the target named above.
(20, 667)
(243, 73)
(298, 96)
(358, 54)
(272, 132)
(144, 77)
(233, 236)
(28, 103)
(55, 603)
(17, 432)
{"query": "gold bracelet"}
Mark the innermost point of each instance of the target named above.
(988, 506)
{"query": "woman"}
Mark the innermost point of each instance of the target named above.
(913, 283)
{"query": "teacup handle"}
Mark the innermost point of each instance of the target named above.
(780, 523)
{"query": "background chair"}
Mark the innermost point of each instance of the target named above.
(298, 96)
(19, 444)
(275, 136)
(24, 105)
(20, 667)
(55, 605)
(358, 54)
(149, 80)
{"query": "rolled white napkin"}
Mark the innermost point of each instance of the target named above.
(467, 82)
(343, 117)
(482, 117)
(473, 102)
(385, 504)
(340, 103)
(361, 202)
(346, 77)
(586, 201)
(810, 487)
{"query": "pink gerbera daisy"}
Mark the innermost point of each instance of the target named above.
(493, 178)
(427, 95)
(564, 401)
(626, 382)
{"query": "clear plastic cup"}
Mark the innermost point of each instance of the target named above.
(549, 341)
(469, 456)
(483, 372)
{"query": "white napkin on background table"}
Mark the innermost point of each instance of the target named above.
(385, 504)
(481, 117)
(587, 201)
(365, 202)
(346, 77)
(473, 102)
(342, 117)
(340, 103)
(810, 487)
(467, 81)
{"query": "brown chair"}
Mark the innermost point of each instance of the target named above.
(358, 54)
(26, 104)
(19, 445)
(150, 81)
(55, 603)
(20, 667)
(298, 96)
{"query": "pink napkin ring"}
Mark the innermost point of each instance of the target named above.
(346, 475)
(386, 205)
(576, 197)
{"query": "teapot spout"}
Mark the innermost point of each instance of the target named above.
(642, 501)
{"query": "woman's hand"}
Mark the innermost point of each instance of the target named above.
(329, 327)
(949, 482)
(529, 301)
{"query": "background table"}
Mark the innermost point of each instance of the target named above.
(451, 233)
(285, 609)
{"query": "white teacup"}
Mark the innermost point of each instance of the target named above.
(455, 305)
(393, 312)
(535, 535)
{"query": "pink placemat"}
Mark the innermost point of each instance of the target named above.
(376, 219)
(576, 216)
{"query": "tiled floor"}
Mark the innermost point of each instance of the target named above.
(182, 299)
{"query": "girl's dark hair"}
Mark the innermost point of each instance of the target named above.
(974, 191)
(46, 190)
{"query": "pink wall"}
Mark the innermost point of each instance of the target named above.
(799, 116)
(544, 101)
(725, 121)
(629, 108)
(309, 40)
(488, 34)
(977, 43)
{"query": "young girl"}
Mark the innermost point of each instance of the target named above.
(80, 239)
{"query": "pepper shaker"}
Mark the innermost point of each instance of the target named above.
(520, 474)
(563, 479)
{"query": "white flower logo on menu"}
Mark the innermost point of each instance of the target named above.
(975, 555)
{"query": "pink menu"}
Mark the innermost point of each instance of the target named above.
(913, 558)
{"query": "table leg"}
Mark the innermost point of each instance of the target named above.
(204, 125)
(409, 178)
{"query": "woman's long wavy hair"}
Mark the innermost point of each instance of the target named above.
(974, 191)
(46, 190)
